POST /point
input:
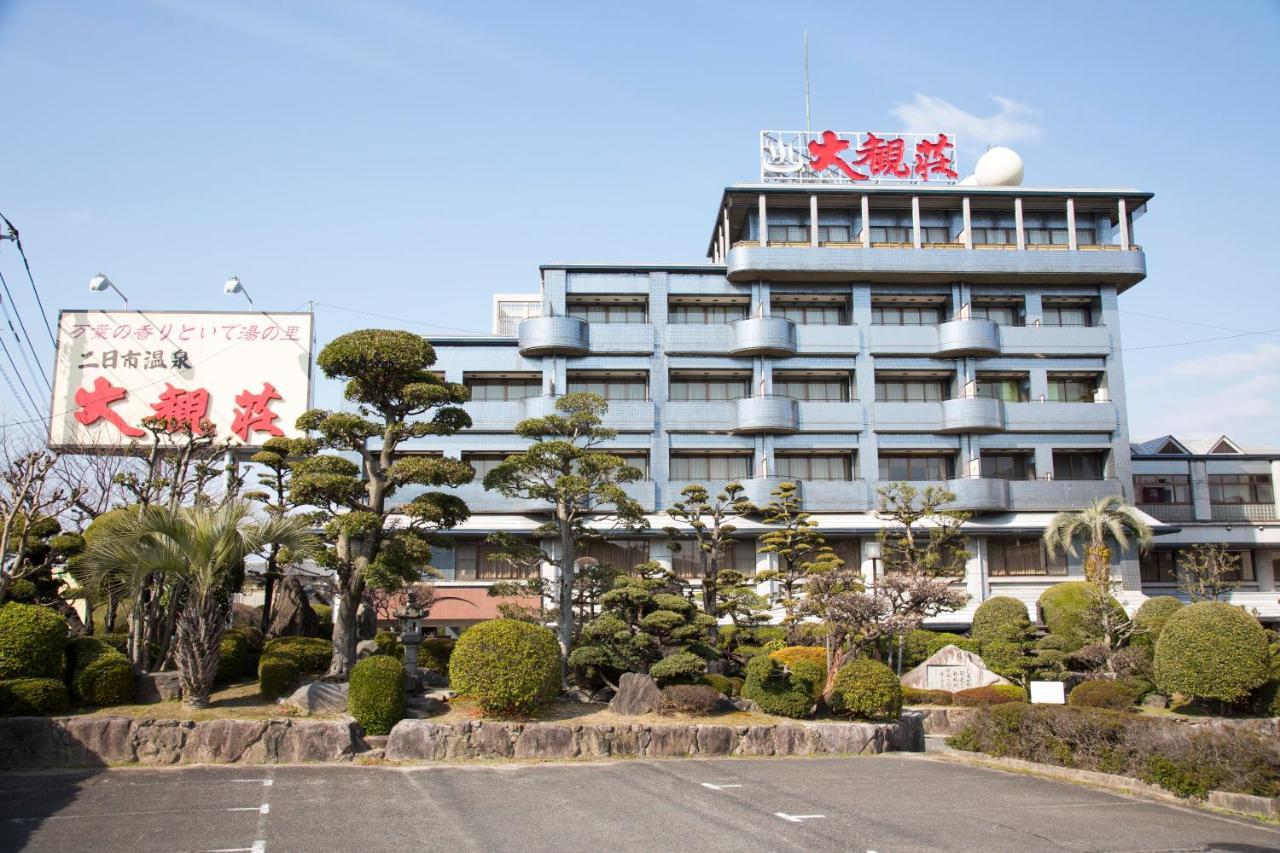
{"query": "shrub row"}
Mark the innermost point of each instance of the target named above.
(917, 696)
(690, 699)
(1188, 760)
(991, 694)
(33, 696)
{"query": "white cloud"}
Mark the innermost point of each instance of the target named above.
(1263, 359)
(927, 114)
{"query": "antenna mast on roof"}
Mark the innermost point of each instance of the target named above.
(807, 126)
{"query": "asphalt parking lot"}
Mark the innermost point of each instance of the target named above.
(884, 803)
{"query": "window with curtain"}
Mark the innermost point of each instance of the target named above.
(836, 234)
(985, 236)
(475, 560)
(702, 313)
(712, 467)
(609, 312)
(689, 561)
(1082, 465)
(1162, 488)
(1240, 489)
(610, 387)
(1072, 389)
(812, 313)
(823, 388)
(707, 388)
(936, 234)
(888, 314)
(490, 389)
(1158, 566)
(483, 463)
(1000, 313)
(621, 554)
(916, 467)
(634, 458)
(815, 466)
(902, 390)
(788, 233)
(1011, 389)
(1056, 314)
(1022, 556)
(1008, 466)
(891, 234)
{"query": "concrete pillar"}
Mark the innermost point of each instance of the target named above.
(1044, 461)
(1033, 307)
(724, 228)
(975, 572)
(915, 221)
(764, 222)
(1017, 223)
(1123, 208)
(1039, 382)
(1071, 224)
(968, 223)
(866, 222)
(813, 221)
(1275, 483)
(1200, 490)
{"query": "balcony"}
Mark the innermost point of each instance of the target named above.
(907, 417)
(830, 416)
(1060, 417)
(979, 494)
(745, 263)
(478, 499)
(1243, 512)
(622, 415)
(763, 336)
(643, 492)
(902, 340)
(553, 336)
(621, 338)
(1054, 495)
(972, 414)
(1055, 340)
(968, 336)
(819, 339)
(759, 490)
(835, 495)
(766, 413)
(697, 338)
(698, 416)
(1169, 512)
(495, 415)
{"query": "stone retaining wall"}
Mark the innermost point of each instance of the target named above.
(944, 720)
(97, 741)
(423, 740)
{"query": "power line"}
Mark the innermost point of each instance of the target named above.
(33, 372)
(17, 241)
(5, 348)
(1202, 340)
(1193, 323)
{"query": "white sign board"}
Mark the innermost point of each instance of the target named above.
(1048, 693)
(245, 376)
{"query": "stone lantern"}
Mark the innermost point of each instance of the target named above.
(410, 618)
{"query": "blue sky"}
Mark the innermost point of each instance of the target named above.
(410, 159)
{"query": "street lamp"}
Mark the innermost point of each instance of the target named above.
(410, 618)
(233, 285)
(100, 283)
(873, 554)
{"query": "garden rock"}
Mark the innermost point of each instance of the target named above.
(672, 741)
(364, 648)
(740, 704)
(431, 678)
(951, 668)
(637, 694)
(1156, 700)
(575, 696)
(150, 687)
(292, 616)
(320, 697)
(603, 695)
(425, 704)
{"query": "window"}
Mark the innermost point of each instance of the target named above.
(835, 234)
(1072, 389)
(611, 387)
(609, 312)
(1056, 314)
(889, 314)
(1079, 465)
(1008, 466)
(1023, 556)
(706, 388)
(1000, 313)
(935, 234)
(832, 313)
(705, 467)
(703, 313)
(1158, 566)
(490, 388)
(621, 554)
(1162, 488)
(891, 234)
(690, 561)
(1059, 237)
(634, 458)
(950, 563)
(483, 463)
(815, 466)
(903, 390)
(801, 387)
(848, 550)
(788, 233)
(474, 560)
(1240, 489)
(915, 467)
(994, 236)
(1010, 388)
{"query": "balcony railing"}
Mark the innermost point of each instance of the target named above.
(1243, 512)
(765, 413)
(1169, 512)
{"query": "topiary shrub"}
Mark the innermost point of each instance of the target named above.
(311, 654)
(33, 696)
(97, 673)
(679, 668)
(777, 691)
(1211, 650)
(792, 654)
(1000, 619)
(866, 690)
(1101, 694)
(725, 684)
(916, 696)
(920, 645)
(690, 699)
(232, 651)
(389, 644)
(252, 636)
(434, 654)
(276, 675)
(377, 697)
(119, 642)
(22, 591)
(1066, 608)
(991, 694)
(506, 666)
(32, 640)
(1150, 619)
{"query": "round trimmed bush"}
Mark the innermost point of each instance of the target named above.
(1000, 619)
(32, 639)
(920, 645)
(1101, 694)
(232, 651)
(33, 696)
(507, 666)
(727, 685)
(276, 675)
(311, 654)
(1005, 658)
(434, 654)
(794, 654)
(97, 673)
(866, 690)
(679, 668)
(1211, 650)
(1151, 618)
(119, 642)
(1066, 610)
(21, 590)
(777, 691)
(377, 694)
(690, 699)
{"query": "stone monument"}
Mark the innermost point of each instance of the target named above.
(951, 668)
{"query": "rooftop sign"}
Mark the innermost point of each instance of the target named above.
(830, 157)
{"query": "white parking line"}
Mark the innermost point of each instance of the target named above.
(797, 818)
(718, 787)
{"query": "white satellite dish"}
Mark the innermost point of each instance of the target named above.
(999, 167)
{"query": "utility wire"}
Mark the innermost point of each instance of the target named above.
(39, 368)
(1202, 340)
(17, 241)
(5, 348)
(1194, 323)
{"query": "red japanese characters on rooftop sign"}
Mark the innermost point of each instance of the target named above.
(123, 377)
(829, 157)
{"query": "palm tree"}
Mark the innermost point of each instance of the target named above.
(199, 548)
(1106, 518)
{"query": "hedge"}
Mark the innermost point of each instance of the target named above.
(1066, 609)
(377, 694)
(33, 696)
(311, 654)
(21, 590)
(690, 699)
(1101, 694)
(1212, 650)
(1002, 618)
(917, 696)
(97, 673)
(776, 691)
(434, 654)
(32, 639)
(866, 690)
(808, 663)
(991, 694)
(506, 666)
